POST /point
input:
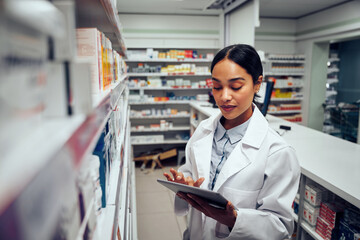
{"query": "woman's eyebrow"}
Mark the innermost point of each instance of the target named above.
(230, 80)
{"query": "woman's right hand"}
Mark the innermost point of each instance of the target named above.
(178, 177)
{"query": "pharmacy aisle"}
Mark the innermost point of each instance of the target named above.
(155, 206)
(66, 169)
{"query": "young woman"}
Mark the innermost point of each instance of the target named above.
(238, 155)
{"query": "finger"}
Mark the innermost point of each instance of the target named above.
(168, 177)
(173, 172)
(229, 206)
(199, 182)
(180, 177)
(189, 181)
(196, 205)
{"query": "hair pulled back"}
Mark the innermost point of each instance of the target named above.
(245, 56)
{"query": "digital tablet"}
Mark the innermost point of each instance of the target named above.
(214, 199)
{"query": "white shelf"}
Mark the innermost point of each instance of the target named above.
(113, 181)
(101, 14)
(166, 141)
(161, 117)
(173, 129)
(283, 61)
(105, 224)
(21, 163)
(287, 87)
(284, 99)
(116, 89)
(331, 93)
(334, 59)
(332, 80)
(197, 60)
(166, 74)
(311, 231)
(167, 88)
(162, 102)
(194, 123)
(284, 74)
(285, 112)
(332, 70)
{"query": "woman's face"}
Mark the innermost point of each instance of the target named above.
(233, 91)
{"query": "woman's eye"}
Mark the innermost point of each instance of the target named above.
(238, 88)
(216, 88)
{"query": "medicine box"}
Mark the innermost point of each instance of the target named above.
(89, 48)
(310, 213)
(315, 194)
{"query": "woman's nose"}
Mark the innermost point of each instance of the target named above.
(226, 95)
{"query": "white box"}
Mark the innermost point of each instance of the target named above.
(89, 48)
(65, 46)
(80, 79)
(56, 96)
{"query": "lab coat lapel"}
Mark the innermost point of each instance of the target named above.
(202, 153)
(246, 150)
(235, 163)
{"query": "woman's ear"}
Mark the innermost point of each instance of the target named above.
(258, 83)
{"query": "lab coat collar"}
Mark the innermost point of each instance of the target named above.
(242, 154)
(245, 151)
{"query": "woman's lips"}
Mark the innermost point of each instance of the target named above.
(227, 108)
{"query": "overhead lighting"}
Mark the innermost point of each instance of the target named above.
(225, 4)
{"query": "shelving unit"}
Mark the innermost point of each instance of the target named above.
(163, 82)
(330, 97)
(43, 194)
(287, 71)
(310, 145)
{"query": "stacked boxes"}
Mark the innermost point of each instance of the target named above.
(106, 65)
(328, 219)
(314, 195)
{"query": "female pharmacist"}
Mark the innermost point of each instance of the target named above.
(238, 155)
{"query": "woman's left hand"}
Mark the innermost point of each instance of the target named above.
(224, 216)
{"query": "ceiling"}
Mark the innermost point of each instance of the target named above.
(268, 8)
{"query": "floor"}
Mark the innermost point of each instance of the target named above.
(155, 206)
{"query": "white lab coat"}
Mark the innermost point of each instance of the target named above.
(260, 177)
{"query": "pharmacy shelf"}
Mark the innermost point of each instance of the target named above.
(330, 93)
(167, 141)
(194, 123)
(311, 231)
(332, 70)
(173, 129)
(284, 74)
(162, 102)
(284, 112)
(283, 61)
(168, 88)
(332, 80)
(334, 59)
(114, 91)
(191, 60)
(20, 164)
(132, 74)
(101, 14)
(160, 117)
(285, 99)
(287, 87)
(105, 224)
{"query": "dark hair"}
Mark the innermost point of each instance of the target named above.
(245, 56)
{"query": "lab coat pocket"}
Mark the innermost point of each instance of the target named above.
(241, 198)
